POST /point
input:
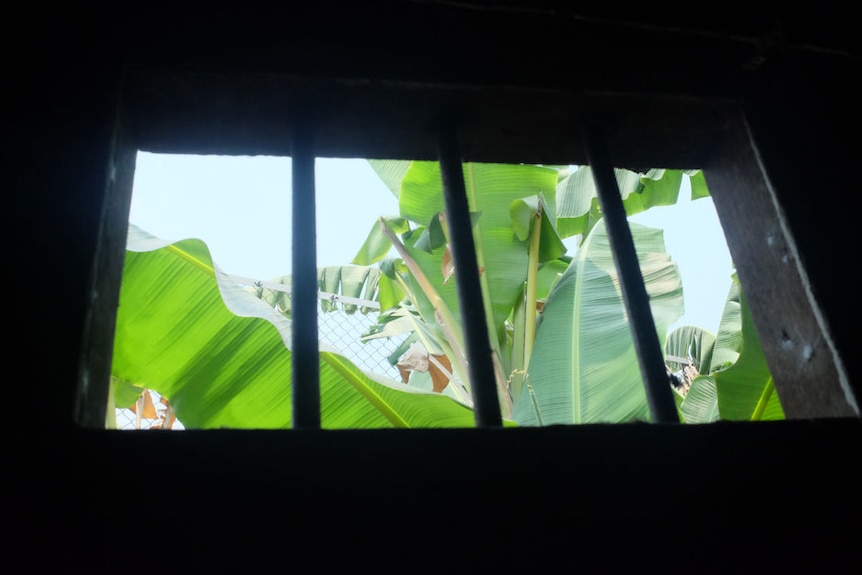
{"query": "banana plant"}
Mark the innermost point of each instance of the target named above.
(221, 355)
(732, 380)
(220, 352)
(518, 214)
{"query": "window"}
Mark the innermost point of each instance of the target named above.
(240, 208)
(393, 122)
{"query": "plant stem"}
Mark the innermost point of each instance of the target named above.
(763, 401)
(446, 321)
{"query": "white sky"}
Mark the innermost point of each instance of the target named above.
(240, 206)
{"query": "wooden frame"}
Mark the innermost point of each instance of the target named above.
(174, 112)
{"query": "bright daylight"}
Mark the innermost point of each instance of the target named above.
(203, 329)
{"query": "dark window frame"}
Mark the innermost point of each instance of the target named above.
(167, 111)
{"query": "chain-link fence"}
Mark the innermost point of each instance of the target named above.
(337, 329)
(149, 412)
(343, 331)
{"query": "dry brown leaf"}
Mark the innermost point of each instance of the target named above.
(414, 359)
(439, 378)
(405, 374)
(448, 266)
(149, 407)
(168, 418)
(149, 410)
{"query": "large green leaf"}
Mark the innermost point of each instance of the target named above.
(491, 190)
(698, 185)
(124, 393)
(745, 390)
(690, 342)
(701, 402)
(377, 245)
(391, 172)
(584, 366)
(739, 385)
(658, 187)
(361, 283)
(222, 356)
(577, 199)
(356, 282)
(728, 342)
(523, 212)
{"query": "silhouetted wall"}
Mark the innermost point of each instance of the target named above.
(724, 498)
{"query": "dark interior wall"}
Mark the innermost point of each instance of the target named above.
(716, 499)
(761, 488)
(61, 112)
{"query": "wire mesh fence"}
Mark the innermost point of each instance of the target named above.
(337, 329)
(149, 412)
(343, 332)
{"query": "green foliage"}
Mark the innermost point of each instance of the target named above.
(736, 383)
(562, 348)
(584, 366)
(222, 356)
(523, 263)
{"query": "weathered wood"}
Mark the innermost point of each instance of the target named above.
(233, 113)
(807, 369)
(106, 278)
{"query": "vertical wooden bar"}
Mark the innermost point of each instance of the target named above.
(93, 386)
(478, 345)
(649, 352)
(305, 374)
(810, 376)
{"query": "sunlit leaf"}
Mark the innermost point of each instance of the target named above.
(746, 390)
(491, 188)
(728, 342)
(124, 393)
(701, 402)
(690, 342)
(584, 366)
(433, 235)
(523, 211)
(577, 198)
(391, 172)
(698, 185)
(222, 356)
(377, 245)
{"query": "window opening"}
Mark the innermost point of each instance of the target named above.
(241, 208)
(417, 371)
(484, 373)
(637, 301)
(683, 132)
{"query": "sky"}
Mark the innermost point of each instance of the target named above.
(240, 206)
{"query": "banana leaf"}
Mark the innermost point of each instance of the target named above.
(701, 402)
(728, 342)
(222, 356)
(746, 390)
(584, 368)
(692, 342)
(738, 385)
(577, 200)
(491, 189)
